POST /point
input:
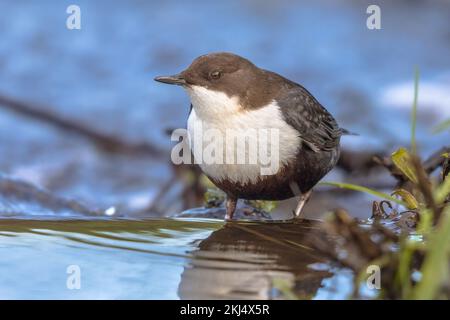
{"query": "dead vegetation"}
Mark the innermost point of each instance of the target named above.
(409, 243)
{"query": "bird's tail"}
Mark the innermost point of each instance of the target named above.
(345, 132)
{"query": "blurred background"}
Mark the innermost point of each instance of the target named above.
(81, 118)
(98, 81)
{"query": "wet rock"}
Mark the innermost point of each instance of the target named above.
(243, 212)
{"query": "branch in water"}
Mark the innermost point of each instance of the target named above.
(107, 142)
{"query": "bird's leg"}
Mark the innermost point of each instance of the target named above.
(231, 207)
(304, 197)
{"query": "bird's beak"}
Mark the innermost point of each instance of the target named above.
(177, 79)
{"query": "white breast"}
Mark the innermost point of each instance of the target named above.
(216, 113)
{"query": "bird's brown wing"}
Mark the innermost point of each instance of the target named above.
(317, 128)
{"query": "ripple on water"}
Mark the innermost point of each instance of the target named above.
(161, 258)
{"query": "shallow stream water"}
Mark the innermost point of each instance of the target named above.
(164, 259)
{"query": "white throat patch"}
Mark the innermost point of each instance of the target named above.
(210, 104)
(216, 111)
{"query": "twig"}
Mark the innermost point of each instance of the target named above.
(105, 141)
(362, 161)
(433, 162)
(436, 160)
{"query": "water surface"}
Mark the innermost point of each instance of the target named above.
(164, 259)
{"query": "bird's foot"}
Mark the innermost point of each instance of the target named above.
(230, 207)
(301, 203)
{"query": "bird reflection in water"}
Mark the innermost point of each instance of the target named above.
(244, 260)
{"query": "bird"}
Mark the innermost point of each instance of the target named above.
(228, 93)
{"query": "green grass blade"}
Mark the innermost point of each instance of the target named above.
(355, 187)
(435, 267)
(408, 198)
(402, 160)
(414, 112)
(442, 126)
(441, 193)
(403, 276)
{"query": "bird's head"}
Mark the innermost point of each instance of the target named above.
(218, 83)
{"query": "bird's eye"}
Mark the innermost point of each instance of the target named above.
(215, 75)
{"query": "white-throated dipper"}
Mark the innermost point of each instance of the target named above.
(229, 92)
